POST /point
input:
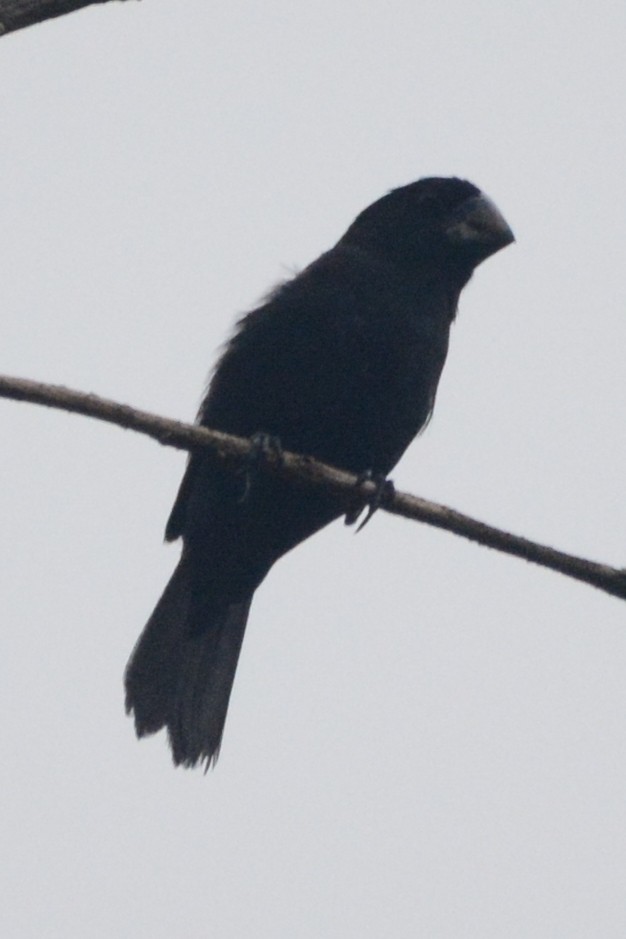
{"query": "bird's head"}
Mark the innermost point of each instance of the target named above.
(445, 223)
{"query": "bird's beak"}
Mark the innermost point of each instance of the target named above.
(478, 224)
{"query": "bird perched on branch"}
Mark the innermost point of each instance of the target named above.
(341, 363)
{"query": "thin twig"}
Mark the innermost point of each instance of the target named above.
(307, 471)
(16, 14)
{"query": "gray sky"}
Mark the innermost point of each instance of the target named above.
(425, 738)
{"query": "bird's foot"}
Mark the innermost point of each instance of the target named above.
(383, 494)
(265, 448)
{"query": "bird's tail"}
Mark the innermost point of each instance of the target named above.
(181, 672)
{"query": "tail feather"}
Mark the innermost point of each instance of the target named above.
(206, 673)
(181, 672)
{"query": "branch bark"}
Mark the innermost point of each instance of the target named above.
(16, 14)
(307, 472)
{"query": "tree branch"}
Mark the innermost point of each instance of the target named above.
(307, 472)
(16, 14)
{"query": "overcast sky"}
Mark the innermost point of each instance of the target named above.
(425, 738)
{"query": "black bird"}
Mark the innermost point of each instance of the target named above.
(341, 363)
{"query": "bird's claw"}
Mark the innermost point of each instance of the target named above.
(383, 493)
(264, 448)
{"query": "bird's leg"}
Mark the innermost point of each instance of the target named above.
(265, 447)
(383, 493)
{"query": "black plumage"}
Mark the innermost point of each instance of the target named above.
(341, 363)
